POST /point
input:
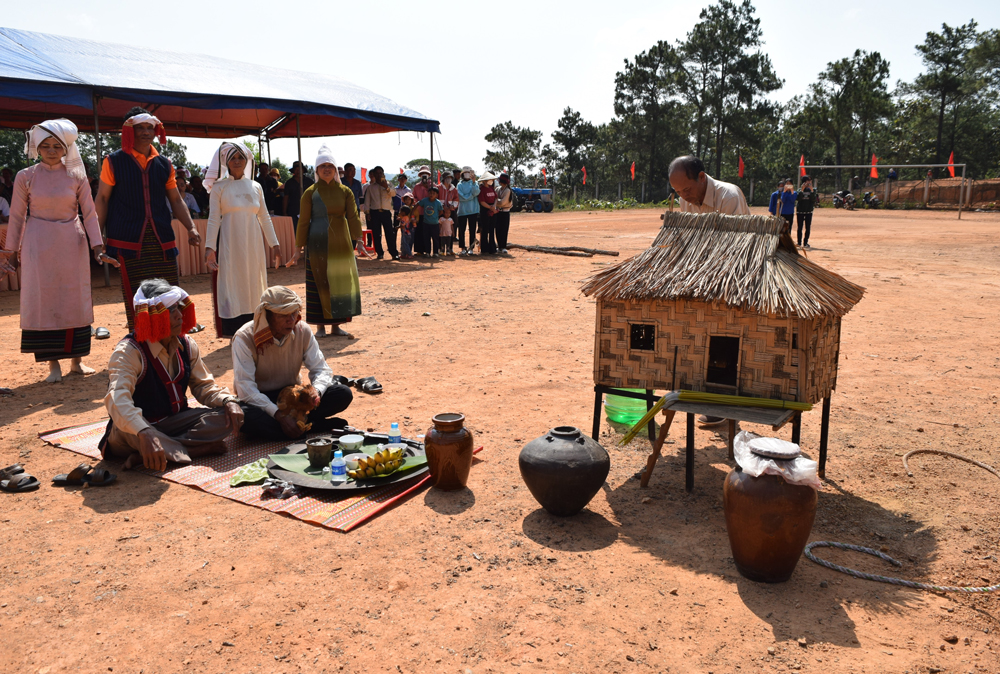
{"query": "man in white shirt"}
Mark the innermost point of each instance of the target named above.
(700, 193)
(378, 212)
(267, 356)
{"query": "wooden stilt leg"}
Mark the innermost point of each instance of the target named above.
(651, 426)
(689, 454)
(824, 436)
(657, 447)
(597, 415)
(797, 428)
(732, 433)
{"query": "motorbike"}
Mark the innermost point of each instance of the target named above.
(844, 199)
(870, 200)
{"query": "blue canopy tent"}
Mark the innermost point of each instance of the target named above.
(95, 83)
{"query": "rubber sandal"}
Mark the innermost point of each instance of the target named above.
(20, 483)
(102, 333)
(197, 328)
(73, 478)
(343, 381)
(6, 391)
(11, 471)
(99, 477)
(368, 385)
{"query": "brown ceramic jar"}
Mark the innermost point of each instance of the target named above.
(449, 452)
(768, 521)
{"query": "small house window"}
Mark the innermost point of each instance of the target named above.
(723, 360)
(642, 337)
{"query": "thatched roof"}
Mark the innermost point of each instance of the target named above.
(744, 261)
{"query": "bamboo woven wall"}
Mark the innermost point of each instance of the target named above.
(769, 366)
(821, 343)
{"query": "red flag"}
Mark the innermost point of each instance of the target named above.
(951, 163)
(364, 176)
(741, 166)
(439, 176)
(584, 175)
(633, 170)
(802, 165)
(545, 178)
(874, 169)
(402, 171)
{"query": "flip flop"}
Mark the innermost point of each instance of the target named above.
(5, 391)
(11, 471)
(19, 483)
(368, 385)
(343, 381)
(73, 478)
(102, 333)
(99, 477)
(198, 328)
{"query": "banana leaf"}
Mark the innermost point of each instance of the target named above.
(299, 463)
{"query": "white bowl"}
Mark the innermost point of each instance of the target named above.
(351, 442)
(352, 460)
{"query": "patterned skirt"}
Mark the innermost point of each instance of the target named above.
(56, 344)
(314, 308)
(151, 263)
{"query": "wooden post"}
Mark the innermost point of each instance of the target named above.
(797, 428)
(298, 138)
(689, 454)
(597, 414)
(597, 188)
(97, 146)
(668, 419)
(574, 193)
(432, 159)
(886, 189)
(751, 190)
(961, 194)
(643, 199)
(927, 188)
(619, 190)
(651, 426)
(824, 435)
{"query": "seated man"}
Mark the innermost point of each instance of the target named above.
(150, 372)
(267, 356)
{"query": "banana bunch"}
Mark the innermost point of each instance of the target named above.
(382, 463)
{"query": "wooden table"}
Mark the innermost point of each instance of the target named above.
(8, 281)
(191, 259)
(775, 418)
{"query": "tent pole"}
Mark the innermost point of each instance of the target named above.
(432, 155)
(298, 137)
(97, 145)
(961, 193)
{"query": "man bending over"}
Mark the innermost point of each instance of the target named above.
(150, 372)
(267, 356)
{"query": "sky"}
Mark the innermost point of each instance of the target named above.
(472, 65)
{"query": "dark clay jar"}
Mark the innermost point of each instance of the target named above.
(564, 469)
(449, 452)
(768, 521)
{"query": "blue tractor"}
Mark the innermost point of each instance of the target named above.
(539, 201)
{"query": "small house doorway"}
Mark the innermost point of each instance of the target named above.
(723, 361)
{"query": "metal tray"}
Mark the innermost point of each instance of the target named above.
(414, 448)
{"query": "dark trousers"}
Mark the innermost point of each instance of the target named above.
(431, 241)
(487, 232)
(501, 223)
(260, 425)
(807, 219)
(419, 232)
(461, 221)
(377, 222)
(789, 217)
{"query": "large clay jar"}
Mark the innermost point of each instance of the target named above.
(449, 452)
(768, 520)
(564, 469)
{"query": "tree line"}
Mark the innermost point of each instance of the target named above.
(708, 95)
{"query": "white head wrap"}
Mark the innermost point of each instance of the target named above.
(218, 168)
(152, 320)
(325, 156)
(279, 300)
(66, 133)
(166, 300)
(143, 118)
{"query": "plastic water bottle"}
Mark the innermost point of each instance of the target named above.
(394, 433)
(338, 468)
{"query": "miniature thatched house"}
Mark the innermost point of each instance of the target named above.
(747, 313)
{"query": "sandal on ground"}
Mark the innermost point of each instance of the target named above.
(343, 381)
(20, 483)
(11, 471)
(73, 478)
(198, 328)
(99, 477)
(102, 333)
(368, 385)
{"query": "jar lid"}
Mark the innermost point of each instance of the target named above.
(774, 448)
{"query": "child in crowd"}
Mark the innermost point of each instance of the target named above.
(406, 227)
(430, 209)
(446, 228)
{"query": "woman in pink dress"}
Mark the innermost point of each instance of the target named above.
(47, 238)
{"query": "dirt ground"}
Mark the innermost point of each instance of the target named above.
(149, 576)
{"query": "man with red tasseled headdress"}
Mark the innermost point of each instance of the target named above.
(137, 183)
(149, 375)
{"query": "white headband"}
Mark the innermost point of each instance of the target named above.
(166, 300)
(143, 118)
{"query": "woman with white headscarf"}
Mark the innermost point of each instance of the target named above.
(48, 239)
(328, 231)
(238, 223)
